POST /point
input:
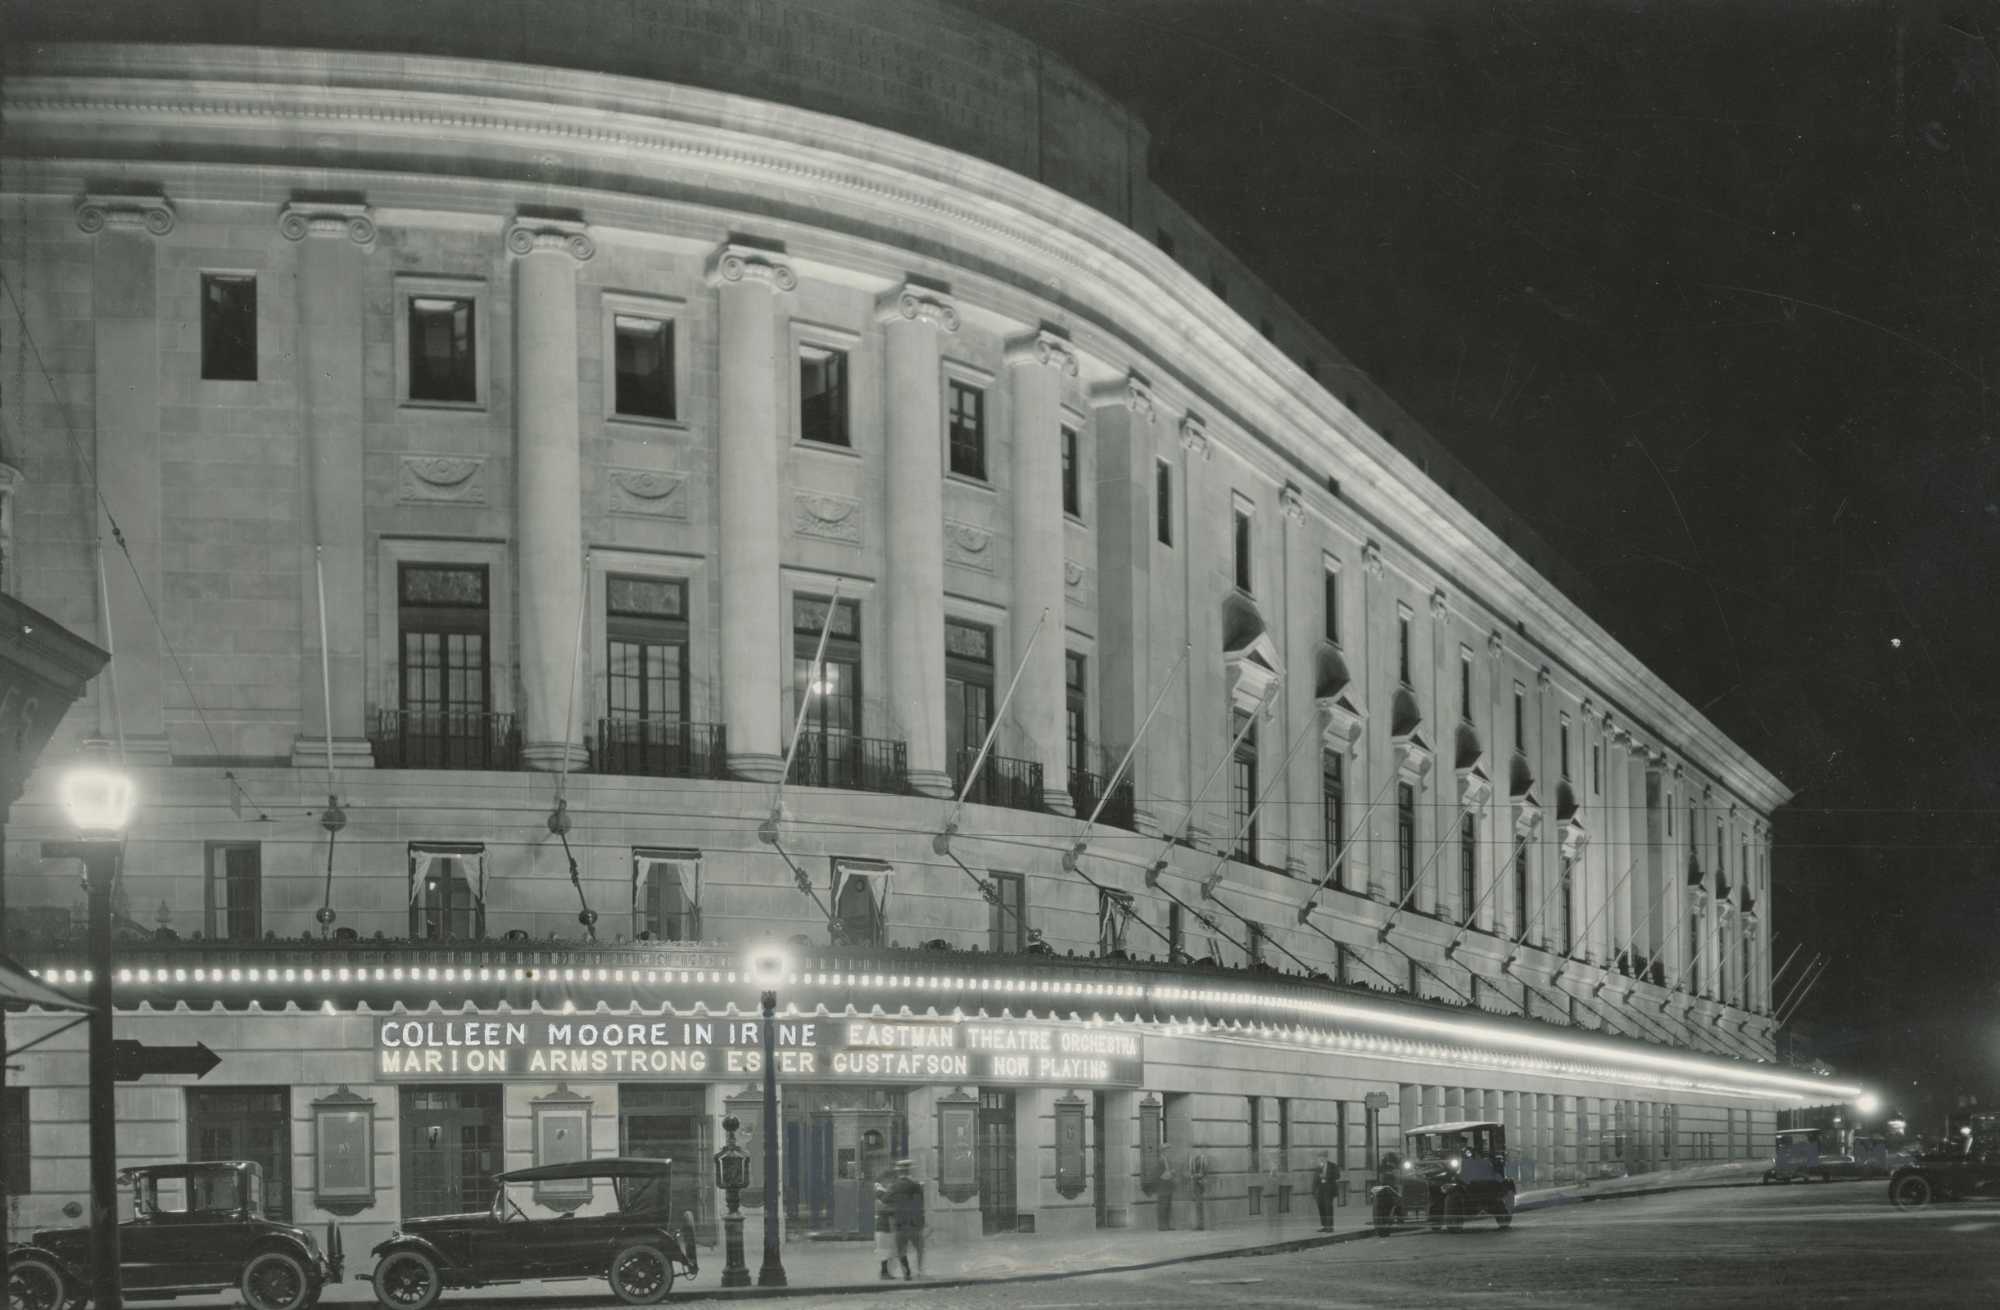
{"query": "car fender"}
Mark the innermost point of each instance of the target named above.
(406, 1242)
(314, 1261)
(665, 1238)
(69, 1272)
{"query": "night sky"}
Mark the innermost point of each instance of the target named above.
(1709, 292)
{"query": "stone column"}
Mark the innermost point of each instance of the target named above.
(1190, 747)
(1628, 824)
(125, 314)
(1304, 625)
(1672, 866)
(1130, 663)
(548, 502)
(913, 316)
(755, 636)
(334, 243)
(1037, 365)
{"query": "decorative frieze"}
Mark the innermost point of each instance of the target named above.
(917, 304)
(566, 236)
(735, 263)
(297, 221)
(1073, 575)
(648, 493)
(441, 479)
(1046, 348)
(152, 214)
(827, 517)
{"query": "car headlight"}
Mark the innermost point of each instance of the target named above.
(1408, 1167)
(1454, 1162)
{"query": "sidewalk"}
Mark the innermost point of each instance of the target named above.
(1734, 1174)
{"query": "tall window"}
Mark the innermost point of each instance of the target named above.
(835, 707)
(443, 612)
(860, 901)
(1007, 915)
(1721, 869)
(443, 349)
(1253, 944)
(447, 893)
(666, 894)
(1332, 603)
(1562, 739)
(1403, 649)
(1076, 719)
(1520, 720)
(1468, 866)
(1256, 1108)
(1243, 560)
(647, 632)
(1176, 933)
(228, 327)
(823, 396)
(1284, 1134)
(968, 689)
(1596, 769)
(1163, 502)
(1669, 807)
(1406, 838)
(1072, 493)
(645, 362)
(1243, 785)
(15, 1145)
(234, 904)
(1333, 803)
(1114, 916)
(1694, 953)
(1520, 889)
(1465, 686)
(968, 431)
(1568, 907)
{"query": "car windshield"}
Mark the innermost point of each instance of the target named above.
(217, 1191)
(1438, 1146)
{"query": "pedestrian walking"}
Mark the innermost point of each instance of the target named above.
(1274, 1183)
(906, 1198)
(1197, 1172)
(1165, 1187)
(1326, 1186)
(885, 1224)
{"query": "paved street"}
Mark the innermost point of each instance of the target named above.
(1834, 1244)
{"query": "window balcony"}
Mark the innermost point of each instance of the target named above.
(661, 748)
(1010, 783)
(1086, 788)
(831, 759)
(412, 739)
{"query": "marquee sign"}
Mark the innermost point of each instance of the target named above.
(816, 1049)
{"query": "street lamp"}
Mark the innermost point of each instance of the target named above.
(99, 804)
(732, 1175)
(1866, 1104)
(768, 967)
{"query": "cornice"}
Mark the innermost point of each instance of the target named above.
(1132, 304)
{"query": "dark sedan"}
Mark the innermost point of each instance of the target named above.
(614, 1223)
(195, 1228)
(1967, 1168)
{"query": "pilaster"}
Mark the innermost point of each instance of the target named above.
(1037, 366)
(1130, 662)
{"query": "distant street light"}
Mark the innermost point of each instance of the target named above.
(99, 805)
(1866, 1104)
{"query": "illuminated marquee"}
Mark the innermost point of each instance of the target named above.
(696, 1049)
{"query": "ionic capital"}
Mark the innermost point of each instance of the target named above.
(1371, 559)
(299, 220)
(1293, 502)
(1194, 436)
(911, 303)
(151, 214)
(1044, 347)
(528, 236)
(1133, 392)
(746, 264)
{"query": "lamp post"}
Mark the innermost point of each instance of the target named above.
(99, 803)
(767, 968)
(732, 1175)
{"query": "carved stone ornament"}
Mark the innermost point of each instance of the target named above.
(1588, 709)
(648, 493)
(525, 236)
(1543, 677)
(1440, 605)
(1496, 644)
(1676, 770)
(1527, 815)
(735, 263)
(1413, 755)
(828, 517)
(355, 222)
(1133, 392)
(968, 546)
(1574, 838)
(451, 479)
(1073, 574)
(1194, 437)
(154, 214)
(917, 304)
(1475, 788)
(1252, 673)
(1342, 724)
(1293, 502)
(1046, 348)
(1371, 559)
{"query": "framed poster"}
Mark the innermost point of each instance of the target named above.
(958, 1138)
(343, 1152)
(1069, 1146)
(562, 1134)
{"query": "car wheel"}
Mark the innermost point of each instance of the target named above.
(407, 1280)
(1454, 1213)
(35, 1284)
(641, 1274)
(1910, 1192)
(1385, 1216)
(276, 1280)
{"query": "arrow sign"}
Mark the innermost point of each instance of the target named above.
(132, 1061)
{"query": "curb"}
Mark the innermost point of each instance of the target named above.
(1554, 1201)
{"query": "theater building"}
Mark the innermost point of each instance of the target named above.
(598, 488)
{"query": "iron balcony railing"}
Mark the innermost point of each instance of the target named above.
(834, 759)
(1084, 790)
(1014, 784)
(661, 748)
(426, 739)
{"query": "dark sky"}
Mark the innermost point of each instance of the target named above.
(1709, 292)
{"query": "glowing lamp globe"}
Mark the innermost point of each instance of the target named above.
(768, 966)
(1867, 1103)
(97, 801)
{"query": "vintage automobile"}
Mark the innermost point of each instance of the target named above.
(1448, 1172)
(1803, 1154)
(195, 1228)
(614, 1223)
(1967, 1168)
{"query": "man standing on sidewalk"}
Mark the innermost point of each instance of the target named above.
(1326, 1185)
(906, 1197)
(1166, 1190)
(1198, 1184)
